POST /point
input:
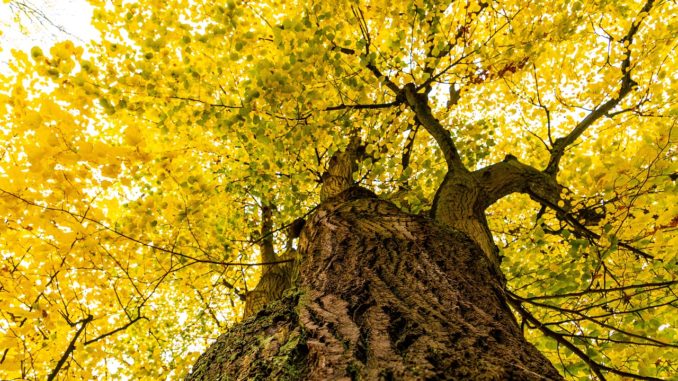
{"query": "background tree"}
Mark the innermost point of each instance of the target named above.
(135, 169)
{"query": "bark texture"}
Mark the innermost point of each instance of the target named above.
(383, 295)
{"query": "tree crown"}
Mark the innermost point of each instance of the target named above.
(135, 168)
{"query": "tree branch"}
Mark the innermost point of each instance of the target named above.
(569, 218)
(266, 244)
(509, 176)
(584, 317)
(595, 367)
(364, 106)
(462, 30)
(138, 241)
(339, 174)
(602, 290)
(627, 84)
(387, 81)
(409, 144)
(116, 330)
(70, 348)
(191, 99)
(364, 30)
(419, 104)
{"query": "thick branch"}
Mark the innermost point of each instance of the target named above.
(510, 176)
(463, 197)
(339, 174)
(627, 84)
(266, 244)
(409, 143)
(419, 104)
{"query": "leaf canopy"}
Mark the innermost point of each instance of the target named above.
(134, 168)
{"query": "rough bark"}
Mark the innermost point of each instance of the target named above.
(382, 295)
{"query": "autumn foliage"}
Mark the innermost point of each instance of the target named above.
(133, 168)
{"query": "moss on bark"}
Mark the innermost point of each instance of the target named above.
(271, 345)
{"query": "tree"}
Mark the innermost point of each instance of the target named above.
(470, 173)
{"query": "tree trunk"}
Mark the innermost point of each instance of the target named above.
(382, 295)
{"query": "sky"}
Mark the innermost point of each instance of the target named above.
(28, 23)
